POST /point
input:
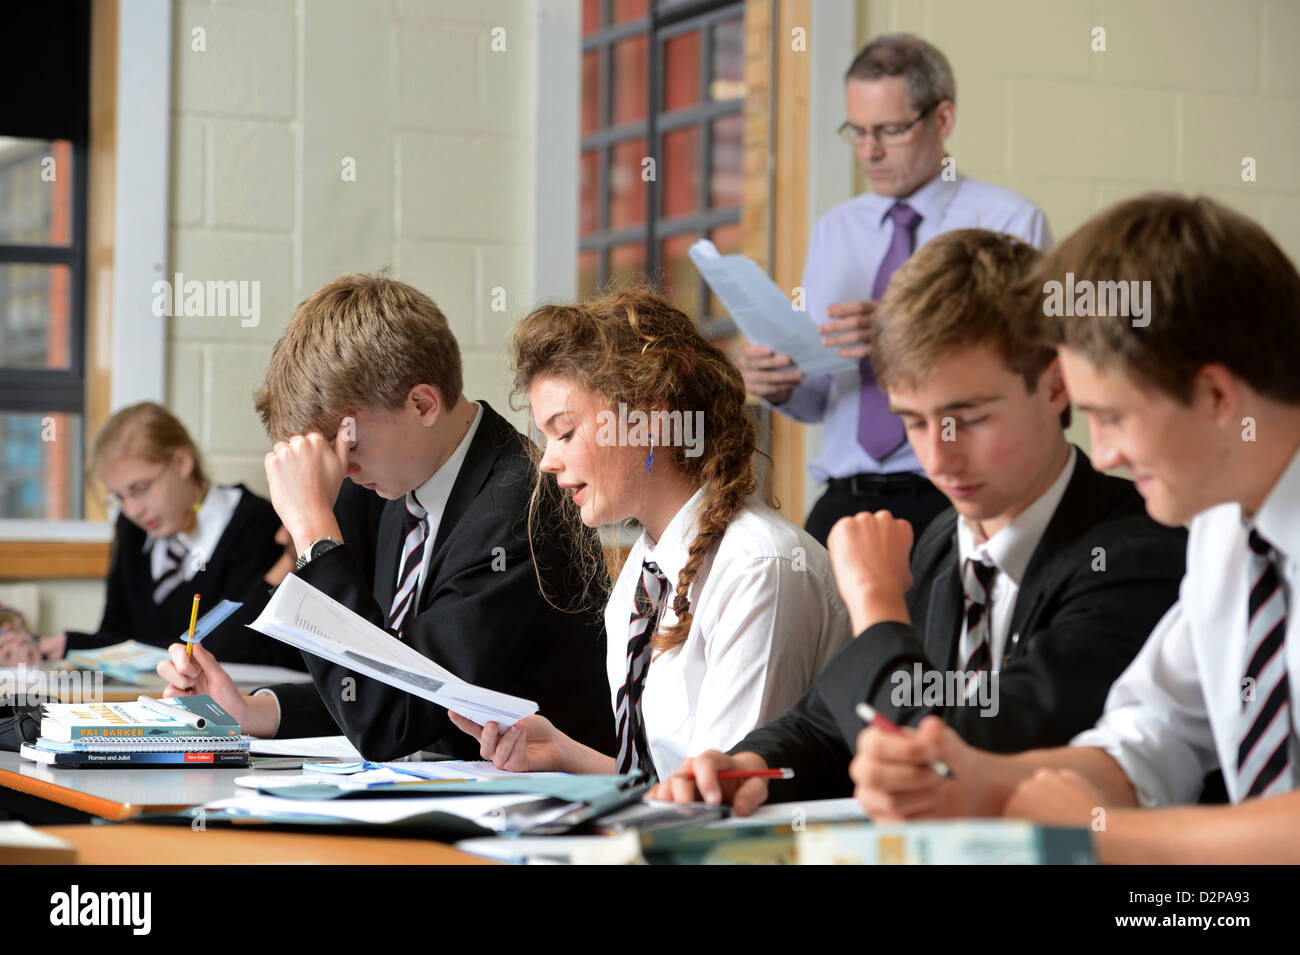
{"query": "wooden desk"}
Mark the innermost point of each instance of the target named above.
(177, 845)
(45, 794)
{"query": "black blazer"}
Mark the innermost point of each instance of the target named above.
(234, 570)
(481, 613)
(1074, 629)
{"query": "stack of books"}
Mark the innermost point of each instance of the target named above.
(180, 732)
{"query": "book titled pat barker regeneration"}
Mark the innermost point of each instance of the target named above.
(196, 716)
(139, 735)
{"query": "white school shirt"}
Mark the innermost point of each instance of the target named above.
(214, 514)
(1009, 550)
(1175, 713)
(432, 495)
(766, 619)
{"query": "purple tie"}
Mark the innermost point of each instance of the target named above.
(880, 432)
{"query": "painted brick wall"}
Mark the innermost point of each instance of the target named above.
(1184, 91)
(282, 96)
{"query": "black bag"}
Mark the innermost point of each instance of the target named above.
(18, 725)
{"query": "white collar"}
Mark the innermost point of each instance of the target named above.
(1278, 518)
(931, 200)
(432, 495)
(213, 516)
(1011, 547)
(671, 551)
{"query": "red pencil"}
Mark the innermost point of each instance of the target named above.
(751, 774)
(869, 715)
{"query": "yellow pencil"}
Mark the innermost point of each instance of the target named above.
(194, 616)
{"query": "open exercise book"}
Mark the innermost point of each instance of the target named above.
(302, 616)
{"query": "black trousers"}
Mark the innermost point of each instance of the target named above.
(909, 496)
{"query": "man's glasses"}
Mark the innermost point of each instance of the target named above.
(887, 134)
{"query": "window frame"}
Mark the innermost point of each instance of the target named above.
(123, 361)
(56, 389)
(660, 26)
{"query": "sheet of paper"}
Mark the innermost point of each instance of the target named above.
(806, 813)
(458, 769)
(324, 747)
(289, 779)
(380, 811)
(365, 775)
(413, 769)
(360, 776)
(621, 849)
(302, 616)
(764, 313)
(259, 674)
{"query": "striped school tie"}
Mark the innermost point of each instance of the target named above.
(1263, 759)
(173, 571)
(416, 526)
(633, 750)
(974, 648)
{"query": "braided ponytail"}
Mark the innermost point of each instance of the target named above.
(729, 477)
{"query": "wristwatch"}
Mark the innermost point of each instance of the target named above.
(317, 548)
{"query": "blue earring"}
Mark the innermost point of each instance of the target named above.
(652, 458)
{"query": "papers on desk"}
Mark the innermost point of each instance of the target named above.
(619, 849)
(367, 775)
(524, 802)
(607, 792)
(798, 814)
(302, 616)
(764, 312)
(438, 769)
(489, 812)
(516, 802)
(320, 747)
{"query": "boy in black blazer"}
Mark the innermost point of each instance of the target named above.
(448, 566)
(1196, 395)
(1023, 603)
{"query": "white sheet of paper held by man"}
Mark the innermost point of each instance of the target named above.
(302, 616)
(765, 313)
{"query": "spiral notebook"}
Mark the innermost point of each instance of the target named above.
(178, 744)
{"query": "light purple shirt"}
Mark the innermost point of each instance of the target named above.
(847, 247)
